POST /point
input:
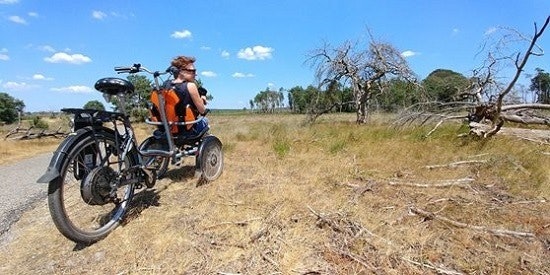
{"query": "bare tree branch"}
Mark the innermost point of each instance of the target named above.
(497, 123)
(362, 68)
(489, 102)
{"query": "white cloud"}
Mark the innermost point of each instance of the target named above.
(46, 48)
(225, 54)
(61, 57)
(406, 54)
(242, 75)
(209, 74)
(17, 86)
(205, 48)
(17, 19)
(33, 14)
(7, 2)
(41, 77)
(98, 15)
(4, 54)
(256, 53)
(181, 34)
(74, 89)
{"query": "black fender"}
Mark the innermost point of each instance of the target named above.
(54, 168)
(205, 141)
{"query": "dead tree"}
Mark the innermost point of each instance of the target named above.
(495, 112)
(486, 107)
(362, 69)
(21, 133)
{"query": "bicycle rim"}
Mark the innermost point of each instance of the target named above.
(211, 161)
(89, 221)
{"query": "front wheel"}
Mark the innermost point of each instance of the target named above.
(158, 163)
(84, 201)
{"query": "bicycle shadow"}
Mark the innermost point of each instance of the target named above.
(146, 198)
(180, 174)
(150, 197)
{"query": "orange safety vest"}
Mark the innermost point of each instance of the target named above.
(177, 110)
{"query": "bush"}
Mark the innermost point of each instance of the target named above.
(37, 122)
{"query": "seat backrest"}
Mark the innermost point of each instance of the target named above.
(176, 110)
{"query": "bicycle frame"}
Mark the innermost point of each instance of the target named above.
(172, 152)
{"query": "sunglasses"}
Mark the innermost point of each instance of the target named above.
(190, 70)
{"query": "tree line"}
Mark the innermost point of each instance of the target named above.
(441, 85)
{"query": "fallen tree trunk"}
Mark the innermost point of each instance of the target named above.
(537, 135)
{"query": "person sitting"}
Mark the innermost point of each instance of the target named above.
(184, 83)
(184, 101)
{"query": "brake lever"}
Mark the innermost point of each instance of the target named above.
(135, 69)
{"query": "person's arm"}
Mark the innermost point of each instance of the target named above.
(197, 100)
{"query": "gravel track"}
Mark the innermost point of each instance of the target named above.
(19, 189)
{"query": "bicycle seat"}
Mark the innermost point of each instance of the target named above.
(184, 137)
(198, 130)
(113, 86)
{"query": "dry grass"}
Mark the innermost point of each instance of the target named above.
(13, 150)
(332, 198)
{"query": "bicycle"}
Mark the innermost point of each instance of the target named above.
(95, 171)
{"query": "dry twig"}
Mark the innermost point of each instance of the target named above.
(499, 232)
(442, 184)
(456, 164)
(431, 266)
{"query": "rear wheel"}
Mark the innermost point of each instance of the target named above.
(84, 201)
(210, 159)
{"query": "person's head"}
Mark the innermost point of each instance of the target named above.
(186, 67)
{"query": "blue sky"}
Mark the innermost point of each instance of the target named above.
(52, 52)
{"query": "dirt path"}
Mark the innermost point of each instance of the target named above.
(20, 189)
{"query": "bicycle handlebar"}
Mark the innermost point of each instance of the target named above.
(136, 68)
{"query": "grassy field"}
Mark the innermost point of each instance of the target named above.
(328, 198)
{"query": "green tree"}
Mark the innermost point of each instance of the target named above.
(299, 98)
(39, 123)
(209, 96)
(95, 105)
(143, 87)
(137, 103)
(445, 85)
(268, 101)
(540, 84)
(401, 94)
(335, 98)
(10, 108)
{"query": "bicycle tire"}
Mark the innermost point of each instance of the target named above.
(90, 155)
(210, 159)
(160, 164)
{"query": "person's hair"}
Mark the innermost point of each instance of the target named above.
(181, 62)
